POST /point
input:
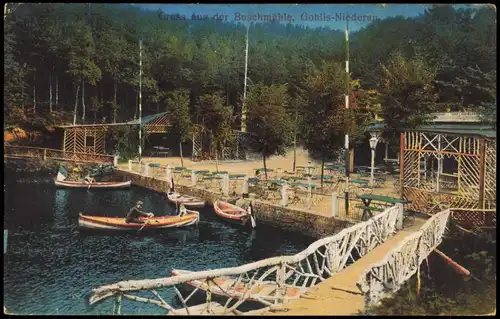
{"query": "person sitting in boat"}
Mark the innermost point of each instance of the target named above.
(182, 210)
(136, 212)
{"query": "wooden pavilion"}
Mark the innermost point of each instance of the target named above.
(450, 163)
(91, 138)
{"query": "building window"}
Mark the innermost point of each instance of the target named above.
(89, 141)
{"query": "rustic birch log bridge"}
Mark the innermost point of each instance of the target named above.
(322, 261)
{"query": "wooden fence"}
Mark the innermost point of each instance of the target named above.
(11, 151)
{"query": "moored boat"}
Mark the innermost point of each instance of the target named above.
(233, 213)
(188, 201)
(119, 223)
(263, 293)
(90, 185)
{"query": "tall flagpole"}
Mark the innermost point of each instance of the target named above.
(140, 98)
(244, 107)
(347, 107)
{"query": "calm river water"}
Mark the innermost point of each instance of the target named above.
(51, 267)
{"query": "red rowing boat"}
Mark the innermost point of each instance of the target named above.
(233, 213)
(119, 223)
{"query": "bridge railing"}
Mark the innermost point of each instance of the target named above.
(284, 278)
(401, 263)
(54, 154)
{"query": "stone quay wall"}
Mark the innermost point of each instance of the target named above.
(290, 219)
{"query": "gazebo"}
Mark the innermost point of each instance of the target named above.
(91, 138)
(450, 163)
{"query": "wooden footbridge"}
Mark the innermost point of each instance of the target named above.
(383, 256)
(27, 152)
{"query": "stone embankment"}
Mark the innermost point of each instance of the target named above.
(291, 219)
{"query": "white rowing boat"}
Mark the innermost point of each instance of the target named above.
(90, 185)
(186, 200)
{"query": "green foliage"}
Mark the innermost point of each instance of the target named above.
(178, 112)
(409, 95)
(124, 141)
(49, 42)
(216, 117)
(324, 118)
(269, 125)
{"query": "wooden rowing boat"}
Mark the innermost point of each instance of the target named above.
(188, 201)
(118, 223)
(91, 185)
(264, 293)
(232, 213)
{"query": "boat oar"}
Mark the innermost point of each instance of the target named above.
(252, 219)
(147, 221)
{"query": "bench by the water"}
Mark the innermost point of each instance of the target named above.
(367, 198)
(161, 151)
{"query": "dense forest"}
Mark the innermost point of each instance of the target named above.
(79, 63)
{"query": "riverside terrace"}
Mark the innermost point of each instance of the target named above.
(287, 194)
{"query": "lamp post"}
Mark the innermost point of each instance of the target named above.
(373, 146)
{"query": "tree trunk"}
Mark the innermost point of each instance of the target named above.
(22, 97)
(34, 94)
(182, 157)
(114, 102)
(126, 98)
(76, 104)
(217, 158)
(322, 170)
(50, 90)
(57, 90)
(351, 160)
(83, 101)
(265, 167)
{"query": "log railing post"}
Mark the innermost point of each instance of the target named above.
(169, 173)
(44, 154)
(399, 220)
(335, 205)
(309, 194)
(280, 281)
(130, 165)
(284, 195)
(193, 178)
(482, 169)
(245, 188)
(225, 185)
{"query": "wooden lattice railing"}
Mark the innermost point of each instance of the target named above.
(47, 153)
(403, 261)
(278, 275)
